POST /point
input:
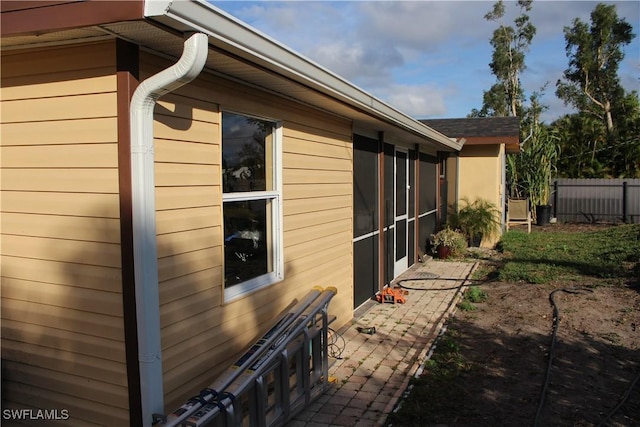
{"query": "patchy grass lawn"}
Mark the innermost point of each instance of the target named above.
(490, 366)
(543, 257)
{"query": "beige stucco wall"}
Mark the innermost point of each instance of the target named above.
(480, 176)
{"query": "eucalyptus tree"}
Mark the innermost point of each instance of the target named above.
(595, 50)
(510, 44)
(602, 137)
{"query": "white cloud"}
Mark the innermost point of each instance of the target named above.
(419, 101)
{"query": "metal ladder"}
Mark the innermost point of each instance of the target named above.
(275, 379)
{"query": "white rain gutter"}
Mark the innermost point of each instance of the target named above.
(145, 254)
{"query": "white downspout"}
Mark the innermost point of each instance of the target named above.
(145, 254)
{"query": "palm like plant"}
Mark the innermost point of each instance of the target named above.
(476, 219)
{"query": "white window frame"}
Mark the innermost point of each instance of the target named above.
(275, 197)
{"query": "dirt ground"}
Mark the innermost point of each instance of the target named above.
(508, 339)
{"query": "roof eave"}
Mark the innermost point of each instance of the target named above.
(231, 34)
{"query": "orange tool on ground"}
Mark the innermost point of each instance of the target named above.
(391, 295)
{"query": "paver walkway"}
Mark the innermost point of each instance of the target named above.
(374, 370)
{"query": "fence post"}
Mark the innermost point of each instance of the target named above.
(555, 198)
(624, 201)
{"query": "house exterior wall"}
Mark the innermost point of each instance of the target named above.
(202, 333)
(62, 316)
(480, 176)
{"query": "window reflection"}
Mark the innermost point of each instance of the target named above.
(247, 237)
(246, 154)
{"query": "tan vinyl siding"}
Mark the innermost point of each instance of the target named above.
(201, 334)
(62, 319)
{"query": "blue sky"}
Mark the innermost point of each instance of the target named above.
(428, 58)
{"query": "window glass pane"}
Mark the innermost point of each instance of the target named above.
(247, 242)
(247, 153)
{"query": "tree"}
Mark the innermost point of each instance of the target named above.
(601, 139)
(591, 82)
(507, 62)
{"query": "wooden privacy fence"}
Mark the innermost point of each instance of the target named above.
(596, 200)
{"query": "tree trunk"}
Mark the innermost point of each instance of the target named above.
(607, 112)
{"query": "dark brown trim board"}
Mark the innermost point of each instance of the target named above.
(38, 17)
(128, 78)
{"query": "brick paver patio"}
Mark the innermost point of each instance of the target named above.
(374, 370)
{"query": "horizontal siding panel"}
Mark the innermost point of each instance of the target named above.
(59, 360)
(295, 222)
(301, 191)
(59, 108)
(101, 205)
(323, 258)
(224, 321)
(168, 151)
(61, 156)
(187, 219)
(88, 276)
(86, 131)
(171, 175)
(91, 253)
(333, 274)
(58, 85)
(188, 197)
(181, 361)
(183, 286)
(310, 234)
(106, 230)
(319, 127)
(82, 412)
(188, 241)
(189, 370)
(309, 247)
(298, 136)
(302, 176)
(76, 298)
(60, 59)
(189, 263)
(52, 338)
(301, 206)
(330, 145)
(109, 327)
(176, 106)
(312, 162)
(72, 385)
(184, 308)
(63, 180)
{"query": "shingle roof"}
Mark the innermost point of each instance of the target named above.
(476, 126)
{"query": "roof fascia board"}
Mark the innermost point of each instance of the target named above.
(488, 140)
(237, 37)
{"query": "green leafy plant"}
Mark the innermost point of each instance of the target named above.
(472, 296)
(538, 164)
(476, 219)
(450, 238)
(475, 294)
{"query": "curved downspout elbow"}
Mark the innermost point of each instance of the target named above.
(145, 251)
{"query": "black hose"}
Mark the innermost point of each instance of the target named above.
(622, 401)
(556, 322)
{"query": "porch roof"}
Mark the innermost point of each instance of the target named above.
(481, 130)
